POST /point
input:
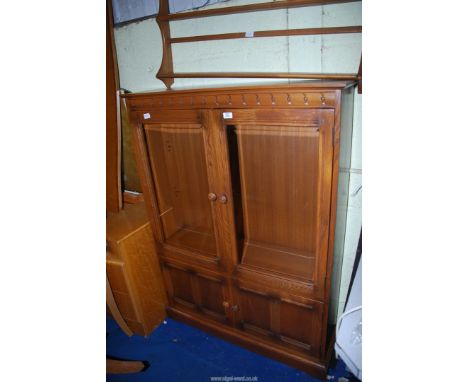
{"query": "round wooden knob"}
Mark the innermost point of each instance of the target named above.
(212, 196)
(223, 199)
(226, 304)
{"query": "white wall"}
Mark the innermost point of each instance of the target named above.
(139, 46)
(139, 53)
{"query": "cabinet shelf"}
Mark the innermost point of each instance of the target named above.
(282, 260)
(195, 240)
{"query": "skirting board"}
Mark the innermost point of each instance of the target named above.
(311, 365)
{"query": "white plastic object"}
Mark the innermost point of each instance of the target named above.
(348, 345)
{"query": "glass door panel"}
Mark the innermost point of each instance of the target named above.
(276, 180)
(178, 164)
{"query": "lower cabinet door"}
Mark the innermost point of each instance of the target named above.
(290, 321)
(197, 291)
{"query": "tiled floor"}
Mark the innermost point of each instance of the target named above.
(178, 352)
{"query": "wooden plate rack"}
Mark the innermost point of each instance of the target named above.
(166, 71)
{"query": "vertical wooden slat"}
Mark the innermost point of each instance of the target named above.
(220, 183)
(167, 68)
(113, 128)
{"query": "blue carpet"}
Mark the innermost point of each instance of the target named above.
(178, 352)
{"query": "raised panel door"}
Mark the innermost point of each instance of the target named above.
(193, 290)
(280, 175)
(288, 321)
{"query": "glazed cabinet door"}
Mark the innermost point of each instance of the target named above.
(280, 165)
(177, 156)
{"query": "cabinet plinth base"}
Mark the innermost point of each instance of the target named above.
(311, 365)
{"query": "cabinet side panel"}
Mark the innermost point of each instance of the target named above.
(346, 133)
(140, 255)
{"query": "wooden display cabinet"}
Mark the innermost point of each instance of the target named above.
(240, 184)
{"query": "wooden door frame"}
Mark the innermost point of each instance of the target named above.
(113, 123)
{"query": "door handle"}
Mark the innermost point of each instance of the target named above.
(223, 198)
(212, 196)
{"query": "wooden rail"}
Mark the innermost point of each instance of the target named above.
(166, 71)
(270, 33)
(248, 8)
(314, 76)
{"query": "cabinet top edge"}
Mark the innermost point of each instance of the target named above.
(309, 85)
